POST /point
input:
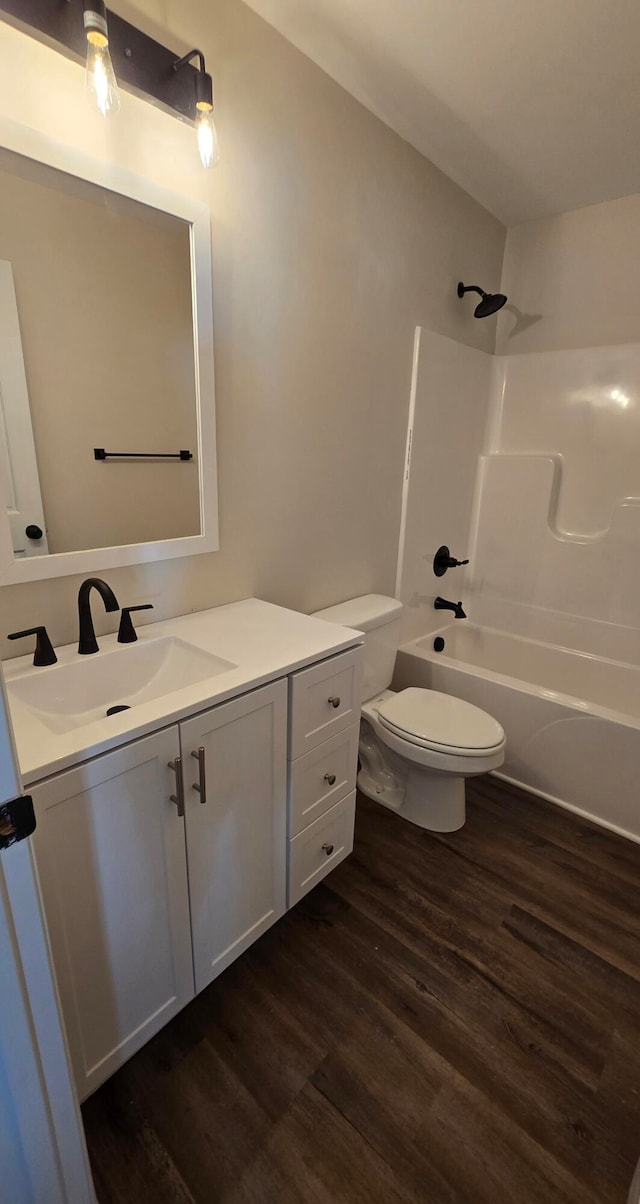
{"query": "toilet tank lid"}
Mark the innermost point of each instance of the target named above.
(364, 613)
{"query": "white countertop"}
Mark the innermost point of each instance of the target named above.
(263, 641)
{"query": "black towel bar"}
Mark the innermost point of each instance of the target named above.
(100, 454)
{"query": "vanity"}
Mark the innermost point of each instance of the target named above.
(172, 834)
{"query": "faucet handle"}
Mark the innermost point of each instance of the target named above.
(443, 560)
(126, 630)
(44, 654)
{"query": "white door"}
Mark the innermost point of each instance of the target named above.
(43, 1157)
(236, 839)
(110, 854)
(18, 463)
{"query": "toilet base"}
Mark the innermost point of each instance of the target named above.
(431, 800)
(432, 797)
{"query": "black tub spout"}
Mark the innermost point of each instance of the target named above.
(456, 607)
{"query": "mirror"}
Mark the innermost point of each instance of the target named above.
(106, 372)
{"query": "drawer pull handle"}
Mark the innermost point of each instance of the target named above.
(178, 797)
(330, 778)
(334, 701)
(201, 784)
(328, 848)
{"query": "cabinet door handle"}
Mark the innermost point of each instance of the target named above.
(201, 784)
(328, 848)
(334, 701)
(178, 797)
(330, 778)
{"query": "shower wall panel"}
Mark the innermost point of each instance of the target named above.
(557, 554)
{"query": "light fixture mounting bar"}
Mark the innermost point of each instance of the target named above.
(186, 58)
(204, 82)
(142, 65)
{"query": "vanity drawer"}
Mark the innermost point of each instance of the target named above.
(311, 791)
(324, 700)
(321, 847)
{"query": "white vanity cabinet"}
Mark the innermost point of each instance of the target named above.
(109, 848)
(236, 839)
(134, 916)
(161, 861)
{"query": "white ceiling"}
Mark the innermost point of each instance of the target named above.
(532, 106)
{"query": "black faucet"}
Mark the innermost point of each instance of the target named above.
(456, 607)
(87, 641)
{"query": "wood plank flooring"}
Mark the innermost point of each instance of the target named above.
(449, 1019)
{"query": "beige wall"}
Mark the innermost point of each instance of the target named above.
(103, 289)
(573, 279)
(332, 240)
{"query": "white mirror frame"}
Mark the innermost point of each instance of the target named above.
(28, 142)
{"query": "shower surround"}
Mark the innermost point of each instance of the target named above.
(553, 532)
(558, 522)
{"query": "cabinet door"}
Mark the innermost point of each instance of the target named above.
(110, 853)
(236, 840)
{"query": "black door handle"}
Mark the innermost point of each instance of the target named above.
(17, 820)
(33, 531)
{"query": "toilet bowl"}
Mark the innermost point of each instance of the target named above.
(416, 749)
(416, 746)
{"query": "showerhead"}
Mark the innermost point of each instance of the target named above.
(488, 305)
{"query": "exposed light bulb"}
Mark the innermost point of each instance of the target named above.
(205, 125)
(100, 77)
(207, 136)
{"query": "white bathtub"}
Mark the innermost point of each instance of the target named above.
(572, 720)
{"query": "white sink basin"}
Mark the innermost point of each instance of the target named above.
(66, 697)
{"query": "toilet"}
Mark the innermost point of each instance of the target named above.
(416, 746)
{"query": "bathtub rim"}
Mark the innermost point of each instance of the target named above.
(586, 707)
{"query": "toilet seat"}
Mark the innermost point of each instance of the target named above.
(440, 722)
(391, 755)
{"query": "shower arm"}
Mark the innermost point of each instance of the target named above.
(470, 288)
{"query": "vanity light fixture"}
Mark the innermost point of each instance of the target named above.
(205, 125)
(100, 77)
(111, 47)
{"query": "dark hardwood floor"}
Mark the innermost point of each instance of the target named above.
(449, 1019)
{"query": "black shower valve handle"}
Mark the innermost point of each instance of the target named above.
(443, 560)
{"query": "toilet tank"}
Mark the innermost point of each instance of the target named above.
(379, 618)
